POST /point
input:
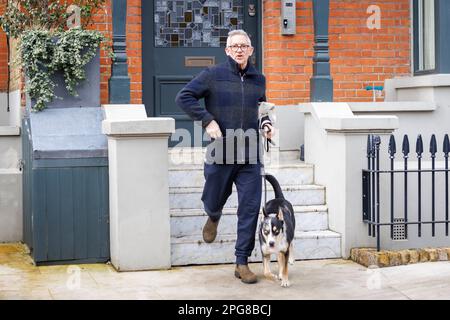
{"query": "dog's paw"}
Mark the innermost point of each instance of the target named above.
(285, 283)
(291, 261)
(271, 276)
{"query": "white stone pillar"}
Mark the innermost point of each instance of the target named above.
(139, 188)
(336, 143)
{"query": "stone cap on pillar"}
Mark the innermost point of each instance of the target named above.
(363, 124)
(140, 127)
(131, 120)
(124, 111)
(338, 117)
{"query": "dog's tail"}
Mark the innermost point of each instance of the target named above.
(275, 185)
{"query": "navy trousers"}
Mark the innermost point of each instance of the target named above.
(218, 187)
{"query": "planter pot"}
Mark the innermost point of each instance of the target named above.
(88, 90)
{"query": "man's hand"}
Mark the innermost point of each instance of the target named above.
(269, 131)
(213, 130)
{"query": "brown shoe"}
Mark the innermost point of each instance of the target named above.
(243, 272)
(210, 230)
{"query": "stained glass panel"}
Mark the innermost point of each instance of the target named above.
(196, 23)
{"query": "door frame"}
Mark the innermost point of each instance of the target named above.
(148, 83)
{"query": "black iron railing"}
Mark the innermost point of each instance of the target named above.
(371, 187)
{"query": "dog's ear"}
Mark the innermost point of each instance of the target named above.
(280, 215)
(264, 211)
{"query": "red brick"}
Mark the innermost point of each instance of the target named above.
(359, 56)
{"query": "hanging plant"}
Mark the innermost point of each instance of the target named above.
(44, 53)
(36, 50)
(47, 47)
(74, 49)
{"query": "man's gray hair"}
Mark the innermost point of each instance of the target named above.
(238, 32)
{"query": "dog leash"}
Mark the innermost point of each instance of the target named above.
(267, 143)
(265, 190)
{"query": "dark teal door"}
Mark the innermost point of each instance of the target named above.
(181, 38)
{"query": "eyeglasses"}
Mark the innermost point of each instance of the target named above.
(236, 47)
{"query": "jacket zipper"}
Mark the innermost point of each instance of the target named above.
(242, 116)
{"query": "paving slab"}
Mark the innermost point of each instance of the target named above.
(312, 279)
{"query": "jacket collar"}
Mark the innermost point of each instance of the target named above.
(235, 68)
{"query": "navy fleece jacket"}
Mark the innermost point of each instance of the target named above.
(231, 99)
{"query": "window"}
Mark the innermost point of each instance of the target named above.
(196, 23)
(424, 35)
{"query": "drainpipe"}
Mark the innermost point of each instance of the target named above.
(8, 73)
(6, 30)
(321, 81)
(119, 83)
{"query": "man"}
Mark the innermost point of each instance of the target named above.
(232, 91)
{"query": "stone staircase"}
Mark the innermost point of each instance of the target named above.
(313, 239)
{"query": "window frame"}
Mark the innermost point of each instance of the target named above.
(416, 41)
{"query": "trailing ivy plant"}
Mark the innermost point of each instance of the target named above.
(47, 47)
(37, 50)
(43, 53)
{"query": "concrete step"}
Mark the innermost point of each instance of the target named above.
(298, 195)
(189, 222)
(191, 156)
(293, 173)
(307, 245)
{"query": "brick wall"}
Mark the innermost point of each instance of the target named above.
(3, 54)
(359, 56)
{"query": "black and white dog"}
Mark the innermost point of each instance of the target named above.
(276, 233)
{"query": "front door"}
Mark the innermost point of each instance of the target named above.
(180, 39)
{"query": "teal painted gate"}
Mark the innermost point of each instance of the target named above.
(65, 206)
